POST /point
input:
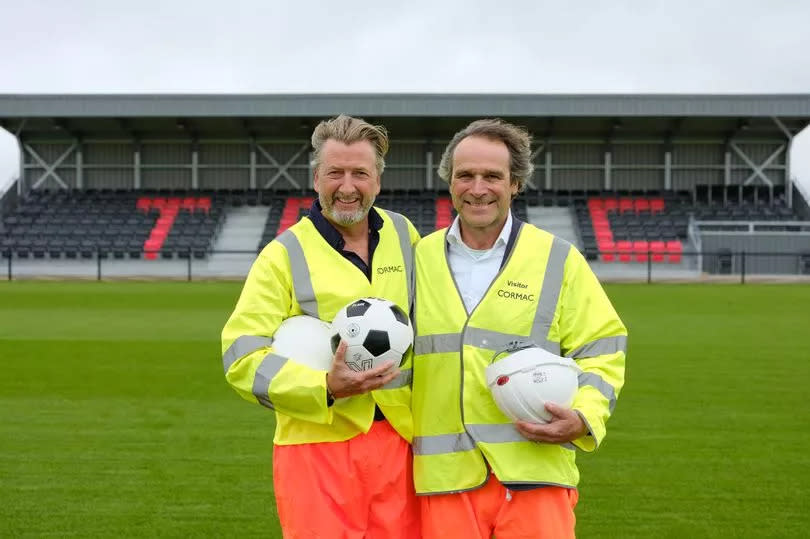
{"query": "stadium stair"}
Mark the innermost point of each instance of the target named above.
(242, 229)
(558, 221)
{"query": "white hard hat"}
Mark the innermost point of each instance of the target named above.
(305, 339)
(523, 381)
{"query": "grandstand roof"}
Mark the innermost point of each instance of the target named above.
(405, 115)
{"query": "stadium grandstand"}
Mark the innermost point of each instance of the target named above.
(685, 186)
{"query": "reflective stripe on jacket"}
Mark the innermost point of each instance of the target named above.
(300, 273)
(546, 293)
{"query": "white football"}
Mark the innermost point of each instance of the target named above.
(375, 330)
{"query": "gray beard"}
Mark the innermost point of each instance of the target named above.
(345, 218)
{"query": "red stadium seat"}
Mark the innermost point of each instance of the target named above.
(204, 204)
(164, 220)
(163, 225)
(189, 203)
(151, 247)
(658, 248)
(603, 234)
(444, 212)
(641, 204)
(625, 249)
(607, 250)
(625, 205)
(599, 217)
(169, 211)
(144, 204)
(611, 204)
(291, 212)
(674, 251)
(656, 205)
(640, 249)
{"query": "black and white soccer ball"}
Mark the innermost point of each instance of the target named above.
(375, 330)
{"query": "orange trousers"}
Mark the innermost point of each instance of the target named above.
(360, 488)
(493, 510)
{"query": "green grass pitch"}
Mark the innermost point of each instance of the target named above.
(116, 421)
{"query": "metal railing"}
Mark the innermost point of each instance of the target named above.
(722, 265)
(754, 227)
(645, 266)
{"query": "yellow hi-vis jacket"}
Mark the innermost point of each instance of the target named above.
(545, 293)
(300, 273)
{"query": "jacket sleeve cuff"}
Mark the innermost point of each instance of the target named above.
(596, 432)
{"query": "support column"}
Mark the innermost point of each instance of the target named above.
(79, 164)
(608, 159)
(429, 170)
(136, 166)
(668, 169)
(788, 176)
(253, 163)
(548, 168)
(195, 160)
(21, 178)
(727, 167)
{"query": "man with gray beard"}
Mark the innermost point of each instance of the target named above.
(341, 457)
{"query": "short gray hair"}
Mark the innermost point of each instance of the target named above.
(349, 130)
(517, 140)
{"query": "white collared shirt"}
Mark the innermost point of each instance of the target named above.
(473, 269)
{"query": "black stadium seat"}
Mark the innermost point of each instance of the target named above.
(92, 222)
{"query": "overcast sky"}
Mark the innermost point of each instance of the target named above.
(708, 46)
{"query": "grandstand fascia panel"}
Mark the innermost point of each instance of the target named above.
(226, 178)
(438, 144)
(637, 179)
(404, 178)
(580, 154)
(215, 153)
(578, 179)
(162, 178)
(384, 105)
(166, 153)
(114, 154)
(691, 154)
(108, 178)
(637, 154)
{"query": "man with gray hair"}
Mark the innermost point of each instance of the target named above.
(486, 283)
(341, 458)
